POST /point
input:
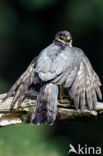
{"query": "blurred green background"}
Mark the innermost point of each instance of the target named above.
(28, 26)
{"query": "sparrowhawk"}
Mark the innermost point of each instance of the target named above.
(58, 64)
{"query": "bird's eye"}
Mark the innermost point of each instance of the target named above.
(62, 37)
(68, 39)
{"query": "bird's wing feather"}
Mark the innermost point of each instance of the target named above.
(86, 86)
(19, 89)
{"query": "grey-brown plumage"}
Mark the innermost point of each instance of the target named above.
(20, 88)
(58, 64)
(46, 105)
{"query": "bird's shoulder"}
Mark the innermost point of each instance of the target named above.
(82, 56)
(77, 50)
(79, 53)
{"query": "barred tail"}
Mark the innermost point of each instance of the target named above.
(46, 108)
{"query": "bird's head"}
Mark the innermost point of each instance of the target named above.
(64, 37)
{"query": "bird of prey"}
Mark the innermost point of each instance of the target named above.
(58, 64)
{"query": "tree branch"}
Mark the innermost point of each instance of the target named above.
(65, 112)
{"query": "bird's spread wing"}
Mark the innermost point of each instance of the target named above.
(86, 86)
(21, 86)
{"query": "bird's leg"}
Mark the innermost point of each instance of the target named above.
(62, 94)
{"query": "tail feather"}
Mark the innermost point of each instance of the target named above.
(46, 108)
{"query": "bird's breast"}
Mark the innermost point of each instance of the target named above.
(62, 62)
